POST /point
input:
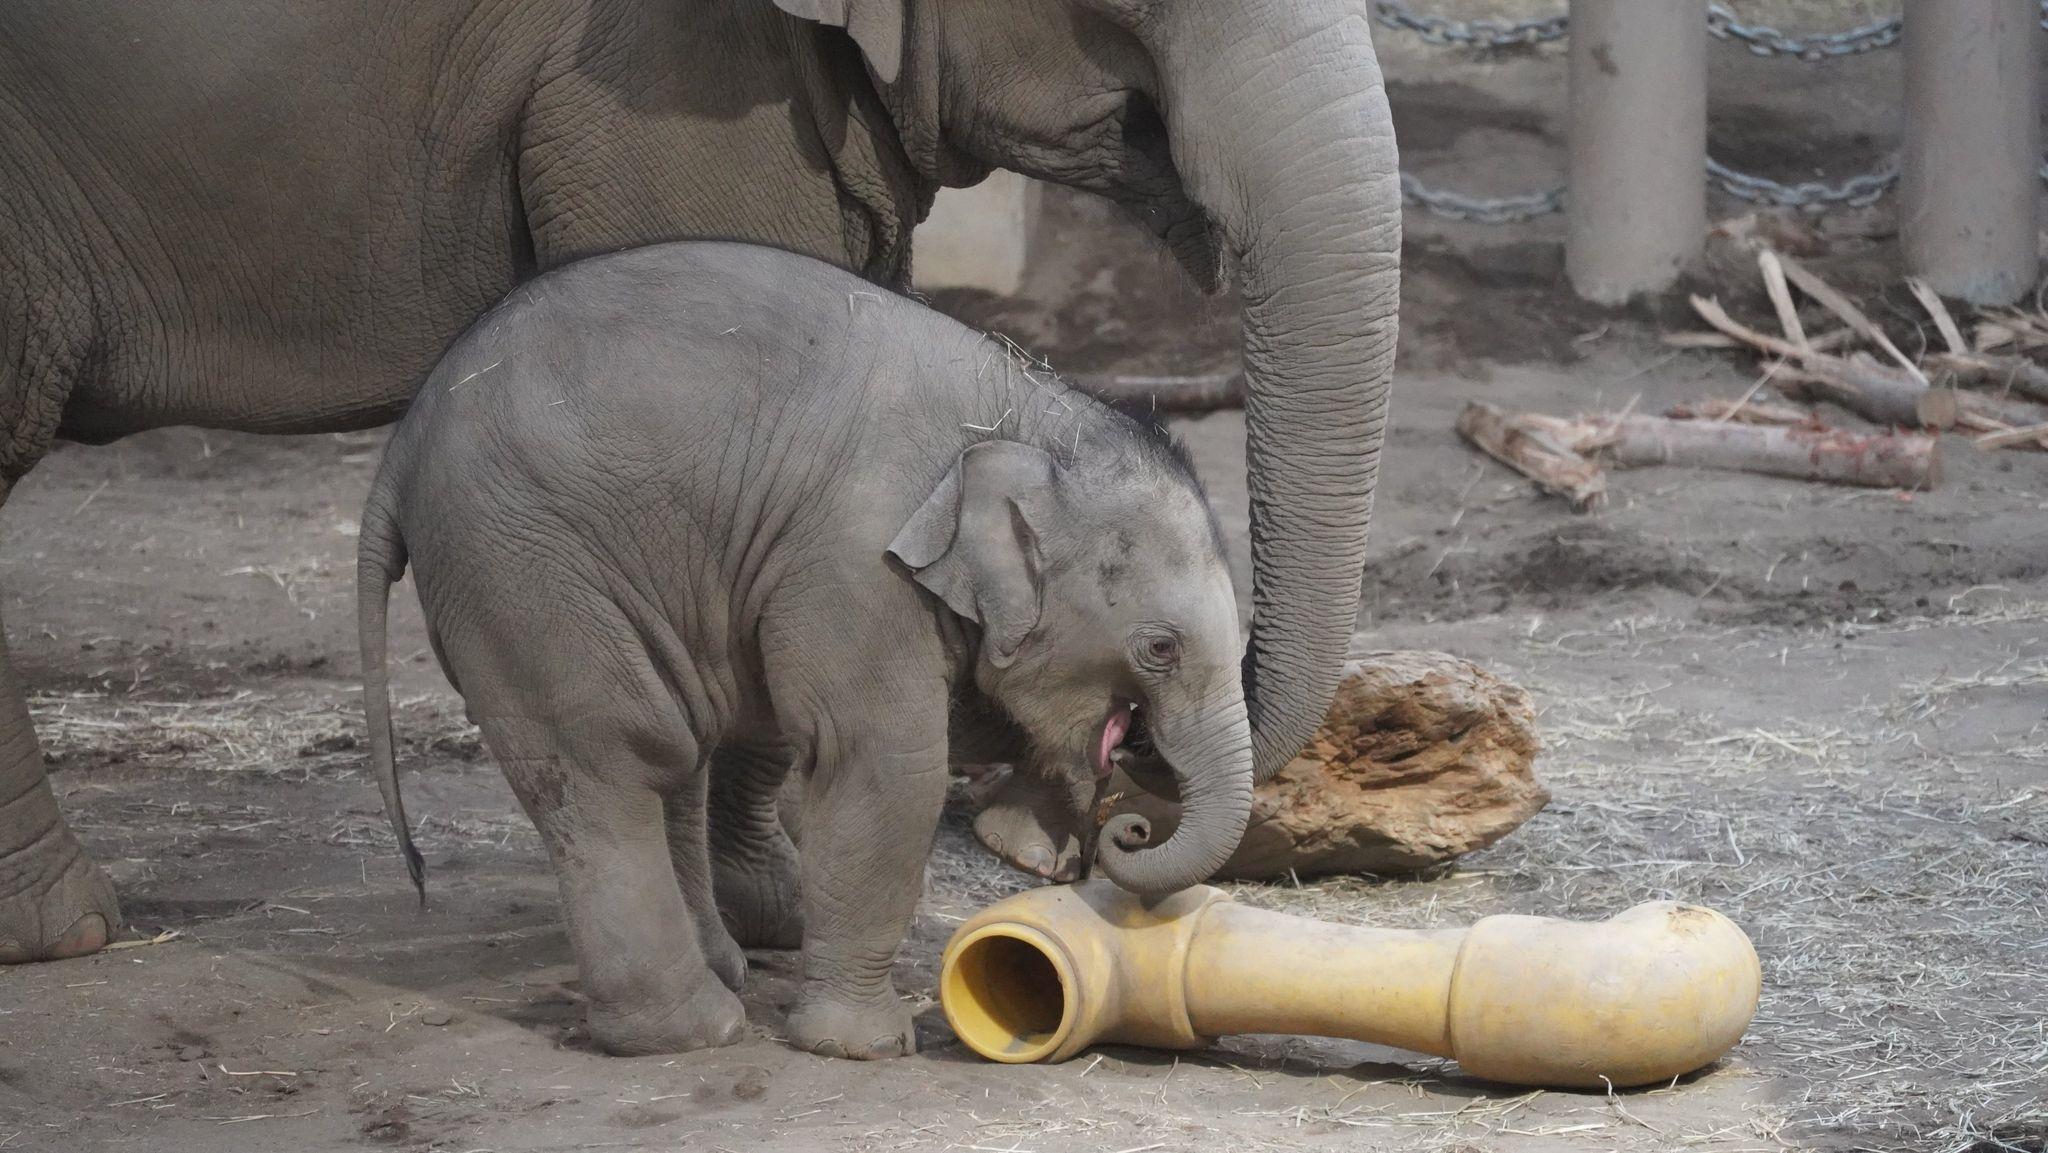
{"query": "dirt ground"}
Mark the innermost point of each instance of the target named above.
(1819, 710)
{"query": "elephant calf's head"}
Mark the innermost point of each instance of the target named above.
(1251, 135)
(1108, 628)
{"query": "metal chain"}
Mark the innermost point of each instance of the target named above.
(1721, 22)
(1479, 209)
(1764, 40)
(1468, 33)
(1811, 195)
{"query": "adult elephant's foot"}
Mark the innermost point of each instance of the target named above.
(1035, 825)
(707, 1018)
(861, 1031)
(54, 902)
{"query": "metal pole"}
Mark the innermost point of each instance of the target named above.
(1637, 202)
(1970, 184)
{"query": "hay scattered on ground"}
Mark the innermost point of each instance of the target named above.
(1901, 924)
(241, 732)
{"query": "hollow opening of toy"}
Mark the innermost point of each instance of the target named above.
(1009, 994)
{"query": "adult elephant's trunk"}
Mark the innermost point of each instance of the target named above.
(1208, 743)
(1279, 125)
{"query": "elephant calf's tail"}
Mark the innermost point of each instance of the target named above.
(380, 561)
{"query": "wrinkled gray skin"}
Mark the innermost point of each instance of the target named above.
(672, 507)
(274, 217)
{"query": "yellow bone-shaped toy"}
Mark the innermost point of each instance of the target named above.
(1652, 993)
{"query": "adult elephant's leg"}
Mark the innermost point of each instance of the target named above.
(754, 865)
(54, 902)
(689, 852)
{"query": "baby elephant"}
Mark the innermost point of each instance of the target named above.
(685, 517)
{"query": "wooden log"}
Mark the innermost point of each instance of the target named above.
(1742, 412)
(1201, 392)
(1833, 456)
(1872, 391)
(1555, 467)
(2014, 374)
(1858, 383)
(1826, 342)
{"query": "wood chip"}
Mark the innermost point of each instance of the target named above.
(1943, 322)
(1781, 297)
(1554, 467)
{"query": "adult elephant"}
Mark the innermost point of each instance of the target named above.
(273, 217)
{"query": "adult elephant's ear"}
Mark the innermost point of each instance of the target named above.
(875, 25)
(974, 541)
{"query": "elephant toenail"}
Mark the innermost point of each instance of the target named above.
(13, 953)
(1038, 859)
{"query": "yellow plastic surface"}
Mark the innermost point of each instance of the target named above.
(1658, 991)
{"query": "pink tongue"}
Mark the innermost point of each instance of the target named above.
(1113, 731)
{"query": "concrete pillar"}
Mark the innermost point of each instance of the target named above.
(977, 237)
(1970, 186)
(1636, 208)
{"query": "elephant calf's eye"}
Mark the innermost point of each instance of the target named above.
(1160, 650)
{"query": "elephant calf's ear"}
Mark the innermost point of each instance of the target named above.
(875, 25)
(974, 541)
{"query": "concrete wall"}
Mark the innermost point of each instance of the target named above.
(977, 237)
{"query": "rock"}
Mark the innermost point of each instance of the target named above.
(1424, 757)
(436, 1016)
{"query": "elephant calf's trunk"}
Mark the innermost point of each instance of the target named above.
(1209, 747)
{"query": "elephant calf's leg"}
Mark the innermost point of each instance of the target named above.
(637, 945)
(54, 902)
(754, 866)
(868, 826)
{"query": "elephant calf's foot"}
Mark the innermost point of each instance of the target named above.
(709, 1017)
(724, 955)
(54, 902)
(859, 1030)
(759, 903)
(1033, 825)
